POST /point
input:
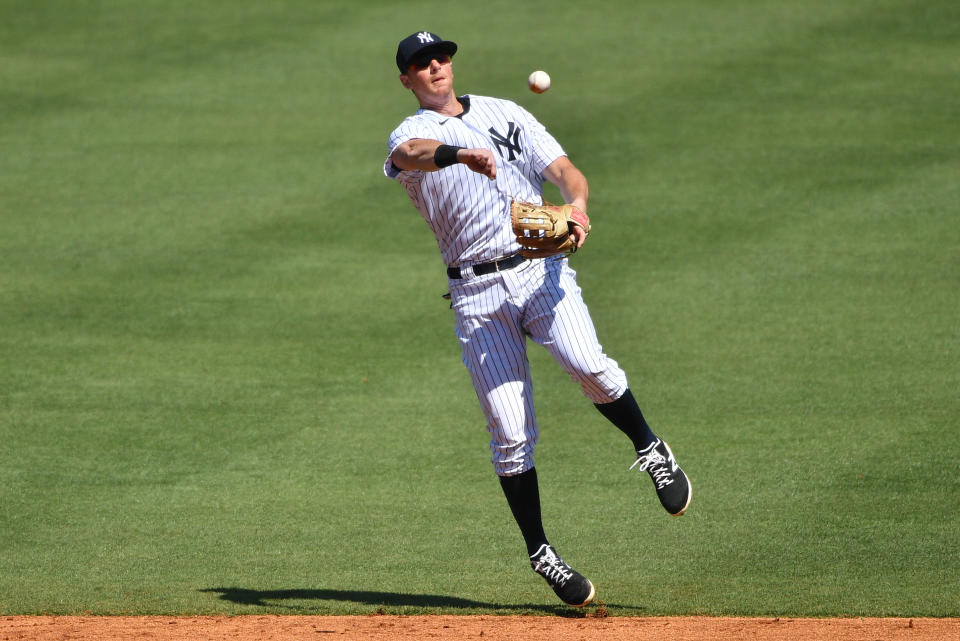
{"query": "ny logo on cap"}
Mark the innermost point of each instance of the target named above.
(425, 36)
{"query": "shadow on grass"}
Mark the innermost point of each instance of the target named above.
(243, 596)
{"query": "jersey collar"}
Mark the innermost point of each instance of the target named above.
(464, 101)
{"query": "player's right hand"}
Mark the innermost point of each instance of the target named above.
(481, 161)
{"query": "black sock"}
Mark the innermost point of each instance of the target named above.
(523, 495)
(625, 414)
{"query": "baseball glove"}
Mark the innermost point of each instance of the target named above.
(544, 230)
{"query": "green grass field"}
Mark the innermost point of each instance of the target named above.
(229, 383)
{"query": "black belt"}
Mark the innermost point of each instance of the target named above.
(488, 268)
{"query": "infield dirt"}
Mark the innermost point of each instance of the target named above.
(488, 628)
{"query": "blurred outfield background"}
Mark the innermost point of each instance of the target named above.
(229, 383)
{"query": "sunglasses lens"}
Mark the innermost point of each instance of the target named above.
(423, 61)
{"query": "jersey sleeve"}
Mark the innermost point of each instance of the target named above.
(546, 149)
(408, 130)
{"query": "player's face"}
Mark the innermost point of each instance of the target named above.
(429, 76)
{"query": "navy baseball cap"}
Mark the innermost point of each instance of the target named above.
(413, 44)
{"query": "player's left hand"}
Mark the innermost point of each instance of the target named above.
(547, 230)
(579, 234)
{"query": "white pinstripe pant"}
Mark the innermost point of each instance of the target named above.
(495, 313)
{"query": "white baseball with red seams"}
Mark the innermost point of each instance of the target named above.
(496, 312)
(538, 81)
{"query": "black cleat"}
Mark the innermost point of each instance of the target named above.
(572, 587)
(673, 486)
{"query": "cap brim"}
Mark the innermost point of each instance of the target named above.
(445, 46)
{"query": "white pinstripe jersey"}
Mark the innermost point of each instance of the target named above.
(468, 213)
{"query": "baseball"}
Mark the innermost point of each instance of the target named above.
(539, 81)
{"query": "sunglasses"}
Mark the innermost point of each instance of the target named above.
(418, 63)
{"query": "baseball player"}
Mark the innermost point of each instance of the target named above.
(464, 161)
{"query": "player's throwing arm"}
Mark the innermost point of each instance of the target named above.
(432, 155)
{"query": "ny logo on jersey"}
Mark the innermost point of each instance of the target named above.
(510, 142)
(425, 36)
